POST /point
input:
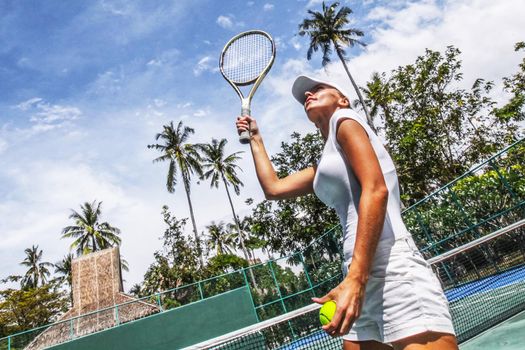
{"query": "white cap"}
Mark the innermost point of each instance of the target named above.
(302, 84)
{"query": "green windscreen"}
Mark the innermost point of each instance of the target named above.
(177, 328)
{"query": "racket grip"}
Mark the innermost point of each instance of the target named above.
(244, 137)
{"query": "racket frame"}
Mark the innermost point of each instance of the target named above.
(244, 137)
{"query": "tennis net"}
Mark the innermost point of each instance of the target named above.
(298, 329)
(484, 282)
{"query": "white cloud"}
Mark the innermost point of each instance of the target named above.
(200, 113)
(268, 7)
(61, 186)
(296, 44)
(225, 22)
(406, 31)
(24, 106)
(280, 44)
(167, 58)
(107, 84)
(312, 3)
(184, 105)
(205, 64)
(228, 22)
(3, 145)
(46, 116)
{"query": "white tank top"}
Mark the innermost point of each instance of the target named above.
(336, 185)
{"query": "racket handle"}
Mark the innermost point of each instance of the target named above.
(244, 137)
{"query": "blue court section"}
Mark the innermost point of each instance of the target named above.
(479, 305)
(509, 335)
(487, 284)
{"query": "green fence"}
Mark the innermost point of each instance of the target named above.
(488, 197)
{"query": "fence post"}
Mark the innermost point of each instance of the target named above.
(425, 229)
(200, 290)
(277, 286)
(159, 303)
(71, 331)
(307, 274)
(117, 321)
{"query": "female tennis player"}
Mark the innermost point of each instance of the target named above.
(390, 297)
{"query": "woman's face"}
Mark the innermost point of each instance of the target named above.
(321, 101)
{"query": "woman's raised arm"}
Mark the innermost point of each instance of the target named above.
(294, 185)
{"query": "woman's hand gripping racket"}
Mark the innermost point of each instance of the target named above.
(245, 60)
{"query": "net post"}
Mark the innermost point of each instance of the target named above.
(9, 343)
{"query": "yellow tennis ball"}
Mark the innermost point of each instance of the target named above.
(327, 312)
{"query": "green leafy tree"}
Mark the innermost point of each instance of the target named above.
(219, 239)
(29, 308)
(434, 130)
(181, 156)
(136, 290)
(514, 109)
(89, 233)
(329, 28)
(175, 265)
(377, 97)
(219, 167)
(38, 270)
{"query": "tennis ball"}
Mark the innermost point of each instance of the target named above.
(327, 312)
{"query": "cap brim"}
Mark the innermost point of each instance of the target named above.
(303, 83)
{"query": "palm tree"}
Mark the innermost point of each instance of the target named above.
(378, 96)
(63, 268)
(219, 238)
(38, 270)
(328, 28)
(218, 167)
(90, 235)
(182, 157)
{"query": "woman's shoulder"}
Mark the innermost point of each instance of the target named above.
(346, 113)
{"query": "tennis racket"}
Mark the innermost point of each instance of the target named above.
(245, 60)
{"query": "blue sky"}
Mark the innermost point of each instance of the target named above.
(86, 85)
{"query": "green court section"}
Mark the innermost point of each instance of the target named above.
(177, 328)
(509, 335)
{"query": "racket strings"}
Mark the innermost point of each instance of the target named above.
(247, 57)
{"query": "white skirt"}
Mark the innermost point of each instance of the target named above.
(403, 297)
